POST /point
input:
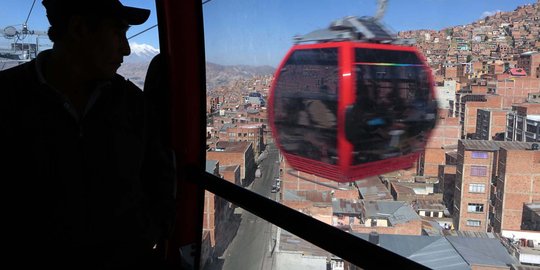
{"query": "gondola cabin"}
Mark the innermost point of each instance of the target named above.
(347, 110)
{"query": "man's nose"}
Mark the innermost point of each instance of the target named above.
(124, 47)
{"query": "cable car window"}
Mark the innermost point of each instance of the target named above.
(307, 104)
(392, 110)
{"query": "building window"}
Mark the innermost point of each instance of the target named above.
(478, 170)
(477, 188)
(482, 155)
(475, 208)
(473, 223)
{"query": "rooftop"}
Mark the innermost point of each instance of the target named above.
(211, 166)
(235, 147)
(395, 211)
(230, 168)
(308, 195)
(432, 205)
(372, 188)
(482, 145)
(340, 206)
(447, 252)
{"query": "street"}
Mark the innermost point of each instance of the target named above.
(250, 249)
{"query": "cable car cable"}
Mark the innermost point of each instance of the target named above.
(31, 8)
(206, 1)
(149, 28)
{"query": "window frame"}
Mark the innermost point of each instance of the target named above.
(470, 221)
(476, 207)
(474, 171)
(475, 154)
(474, 187)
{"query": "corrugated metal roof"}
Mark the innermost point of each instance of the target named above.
(432, 251)
(396, 212)
(481, 251)
(483, 145)
(211, 166)
(372, 188)
(340, 206)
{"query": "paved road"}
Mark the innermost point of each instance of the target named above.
(250, 248)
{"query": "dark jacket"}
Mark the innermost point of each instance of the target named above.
(103, 181)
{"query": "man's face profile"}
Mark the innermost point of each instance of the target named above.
(104, 47)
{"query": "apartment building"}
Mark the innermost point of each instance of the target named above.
(446, 132)
(517, 185)
(490, 123)
(523, 123)
(530, 61)
(480, 173)
(514, 89)
(447, 179)
(252, 133)
(466, 108)
(235, 153)
(474, 172)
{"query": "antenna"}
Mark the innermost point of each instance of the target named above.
(20, 51)
(381, 9)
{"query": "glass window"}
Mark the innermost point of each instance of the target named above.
(475, 207)
(473, 223)
(392, 110)
(477, 188)
(478, 170)
(306, 104)
(482, 155)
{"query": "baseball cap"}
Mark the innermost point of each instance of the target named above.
(57, 9)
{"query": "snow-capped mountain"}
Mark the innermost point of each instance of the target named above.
(141, 53)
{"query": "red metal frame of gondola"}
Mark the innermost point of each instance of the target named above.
(344, 171)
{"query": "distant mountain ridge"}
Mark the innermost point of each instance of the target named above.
(136, 64)
(222, 75)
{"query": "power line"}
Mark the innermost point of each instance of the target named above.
(204, 2)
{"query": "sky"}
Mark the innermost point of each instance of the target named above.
(259, 32)
(15, 12)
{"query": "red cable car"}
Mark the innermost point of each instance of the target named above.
(353, 105)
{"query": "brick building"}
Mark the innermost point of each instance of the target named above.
(446, 132)
(447, 179)
(514, 90)
(489, 123)
(235, 153)
(478, 177)
(252, 133)
(475, 169)
(388, 217)
(466, 107)
(530, 62)
(523, 123)
(518, 184)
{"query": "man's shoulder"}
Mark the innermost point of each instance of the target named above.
(126, 85)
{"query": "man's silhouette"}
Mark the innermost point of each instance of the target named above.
(86, 181)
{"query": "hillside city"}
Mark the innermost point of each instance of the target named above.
(472, 200)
